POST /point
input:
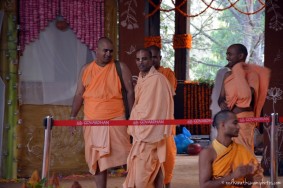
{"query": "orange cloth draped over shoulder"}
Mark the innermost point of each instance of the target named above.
(170, 75)
(231, 157)
(171, 149)
(238, 92)
(237, 86)
(104, 145)
(149, 147)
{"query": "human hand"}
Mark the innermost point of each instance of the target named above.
(223, 106)
(134, 80)
(244, 170)
(72, 128)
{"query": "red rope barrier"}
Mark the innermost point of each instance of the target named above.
(150, 122)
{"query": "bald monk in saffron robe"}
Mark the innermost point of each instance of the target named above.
(241, 88)
(153, 101)
(225, 163)
(99, 88)
(171, 149)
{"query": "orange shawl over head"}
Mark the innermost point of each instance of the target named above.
(102, 85)
(237, 86)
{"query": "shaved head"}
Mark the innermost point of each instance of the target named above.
(156, 56)
(103, 40)
(240, 49)
(155, 48)
(104, 51)
(221, 116)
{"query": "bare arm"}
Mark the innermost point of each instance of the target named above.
(127, 78)
(206, 180)
(206, 158)
(222, 97)
(252, 105)
(78, 98)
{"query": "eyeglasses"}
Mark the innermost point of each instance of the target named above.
(142, 59)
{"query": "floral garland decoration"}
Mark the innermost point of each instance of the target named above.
(182, 41)
(196, 104)
(220, 9)
(208, 5)
(249, 13)
(152, 41)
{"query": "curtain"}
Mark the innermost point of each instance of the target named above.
(86, 18)
(34, 17)
(50, 66)
(50, 58)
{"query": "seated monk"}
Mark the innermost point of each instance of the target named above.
(225, 163)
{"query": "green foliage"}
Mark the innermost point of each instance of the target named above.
(213, 32)
(167, 29)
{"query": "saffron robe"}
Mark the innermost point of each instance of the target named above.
(238, 92)
(171, 149)
(104, 145)
(153, 101)
(231, 157)
(237, 86)
(246, 133)
(170, 75)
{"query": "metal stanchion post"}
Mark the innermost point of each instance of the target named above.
(48, 123)
(273, 150)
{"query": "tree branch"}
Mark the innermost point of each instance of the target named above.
(207, 64)
(209, 37)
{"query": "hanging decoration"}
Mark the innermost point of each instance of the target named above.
(158, 7)
(152, 41)
(182, 41)
(86, 18)
(34, 17)
(208, 6)
(196, 105)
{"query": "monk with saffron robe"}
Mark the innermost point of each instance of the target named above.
(171, 149)
(225, 163)
(153, 101)
(241, 88)
(167, 72)
(99, 89)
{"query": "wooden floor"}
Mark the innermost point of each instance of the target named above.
(185, 175)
